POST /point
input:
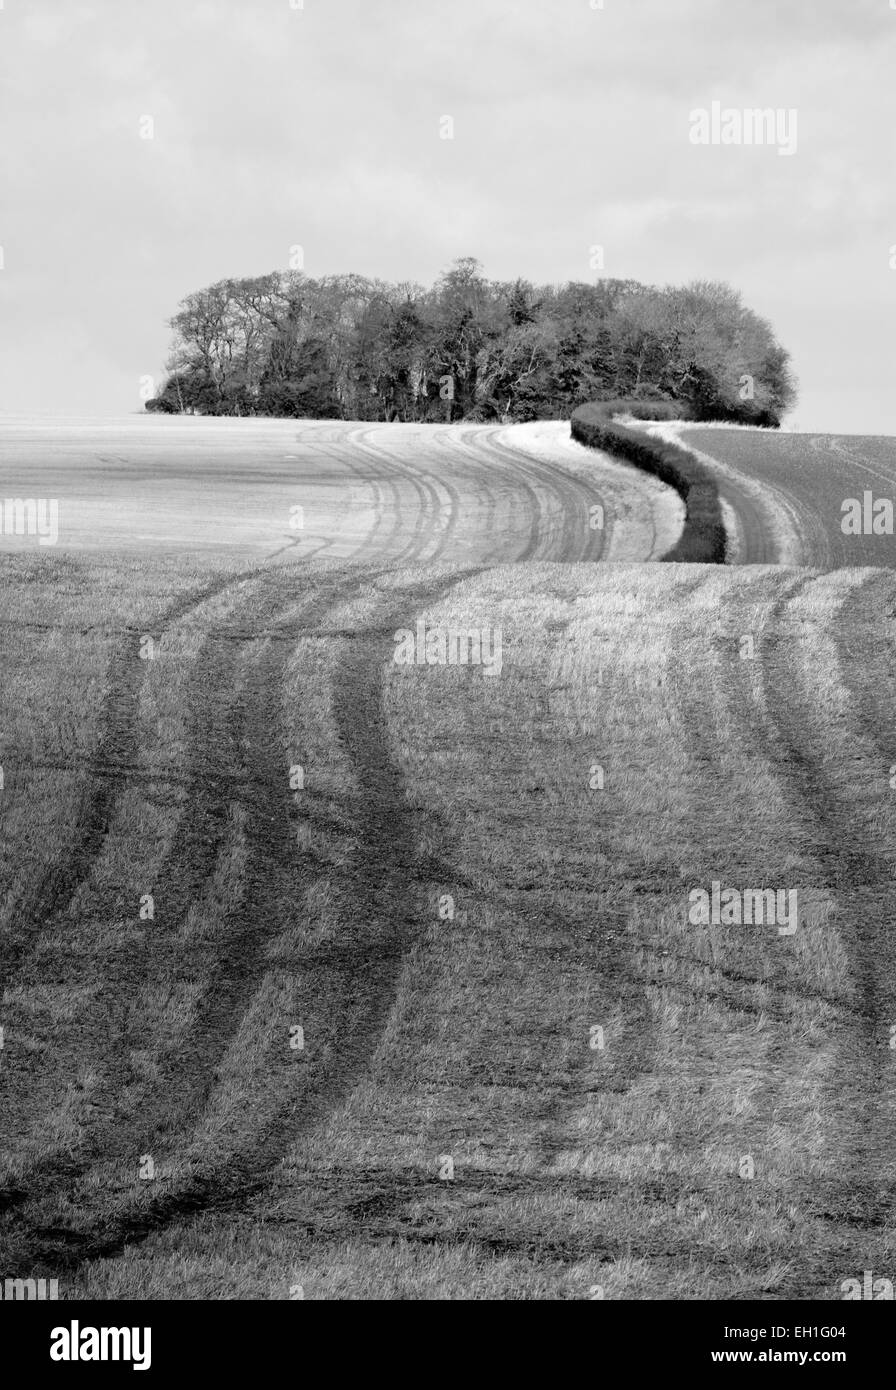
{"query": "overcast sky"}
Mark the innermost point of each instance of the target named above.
(320, 126)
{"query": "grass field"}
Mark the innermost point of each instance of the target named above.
(429, 1018)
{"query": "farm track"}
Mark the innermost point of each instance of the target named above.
(274, 873)
(358, 980)
(771, 704)
(116, 754)
(866, 609)
(116, 759)
(609, 950)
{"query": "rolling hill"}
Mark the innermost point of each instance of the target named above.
(330, 975)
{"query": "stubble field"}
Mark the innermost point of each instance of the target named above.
(328, 976)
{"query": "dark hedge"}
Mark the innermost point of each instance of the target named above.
(703, 539)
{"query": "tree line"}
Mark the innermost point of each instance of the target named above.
(468, 348)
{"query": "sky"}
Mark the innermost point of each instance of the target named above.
(320, 124)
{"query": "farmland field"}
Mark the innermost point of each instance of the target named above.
(331, 976)
(785, 493)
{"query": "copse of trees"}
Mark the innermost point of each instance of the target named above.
(347, 347)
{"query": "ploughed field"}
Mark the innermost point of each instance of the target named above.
(327, 974)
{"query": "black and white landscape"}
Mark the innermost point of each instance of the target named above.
(447, 619)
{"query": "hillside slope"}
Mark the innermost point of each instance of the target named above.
(783, 494)
(326, 971)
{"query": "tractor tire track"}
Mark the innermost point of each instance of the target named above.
(114, 768)
(116, 752)
(620, 983)
(871, 685)
(196, 853)
(861, 878)
(388, 901)
(383, 879)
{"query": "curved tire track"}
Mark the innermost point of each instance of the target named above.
(861, 877)
(383, 874)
